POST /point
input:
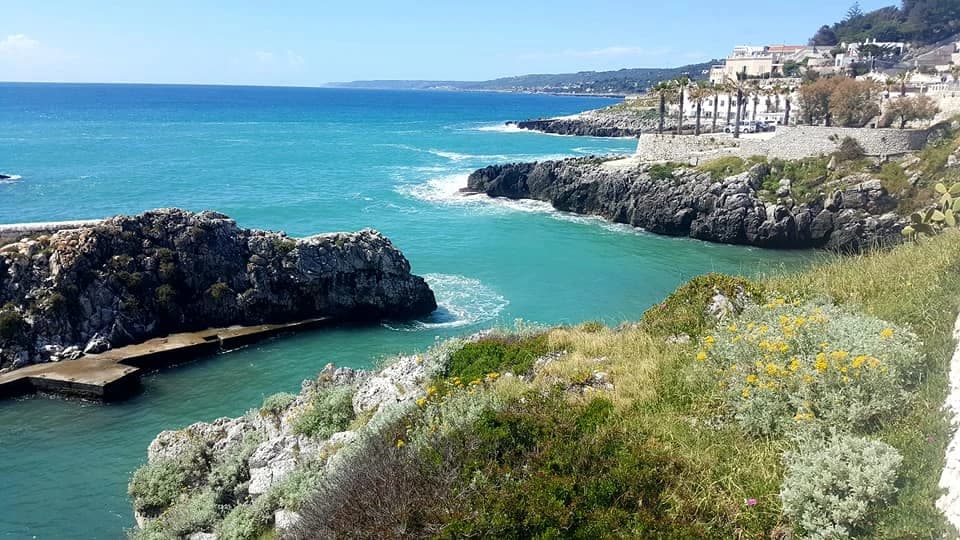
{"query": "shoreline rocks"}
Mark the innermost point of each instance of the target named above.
(131, 278)
(688, 202)
(609, 122)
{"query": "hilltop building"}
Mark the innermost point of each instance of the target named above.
(760, 62)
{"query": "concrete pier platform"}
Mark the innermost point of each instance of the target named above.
(115, 374)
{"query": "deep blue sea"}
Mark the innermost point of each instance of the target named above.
(305, 161)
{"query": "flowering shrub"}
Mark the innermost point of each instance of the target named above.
(831, 486)
(785, 364)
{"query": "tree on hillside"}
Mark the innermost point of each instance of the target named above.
(929, 21)
(904, 110)
(853, 103)
(854, 12)
(815, 101)
(825, 37)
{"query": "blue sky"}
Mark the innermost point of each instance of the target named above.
(310, 42)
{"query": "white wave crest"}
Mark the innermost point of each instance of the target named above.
(10, 178)
(461, 301)
(501, 128)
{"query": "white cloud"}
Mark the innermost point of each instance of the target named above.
(18, 46)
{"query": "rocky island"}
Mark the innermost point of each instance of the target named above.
(132, 278)
(674, 200)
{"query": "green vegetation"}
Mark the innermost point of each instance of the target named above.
(277, 403)
(157, 485)
(497, 354)
(12, 323)
(852, 371)
(685, 310)
(662, 171)
(919, 21)
(219, 291)
(330, 410)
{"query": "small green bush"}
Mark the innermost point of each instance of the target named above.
(662, 171)
(849, 150)
(330, 410)
(724, 167)
(685, 310)
(220, 290)
(277, 403)
(198, 513)
(893, 178)
(12, 324)
(497, 354)
(833, 489)
(157, 485)
(166, 296)
(245, 522)
(593, 327)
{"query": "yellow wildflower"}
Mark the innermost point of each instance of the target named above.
(421, 402)
(845, 379)
(824, 345)
(431, 391)
(772, 369)
(838, 355)
(493, 376)
(859, 361)
(794, 364)
(701, 356)
(886, 333)
(800, 321)
(784, 320)
(400, 443)
(779, 301)
(745, 393)
(732, 328)
(752, 379)
(821, 364)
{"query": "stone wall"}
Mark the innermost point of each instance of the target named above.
(793, 142)
(17, 231)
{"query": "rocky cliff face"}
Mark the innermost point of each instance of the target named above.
(600, 123)
(687, 202)
(136, 277)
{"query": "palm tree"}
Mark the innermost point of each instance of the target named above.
(715, 90)
(903, 78)
(741, 86)
(698, 92)
(756, 90)
(787, 104)
(729, 90)
(681, 84)
(662, 89)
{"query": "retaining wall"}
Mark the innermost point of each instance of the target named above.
(793, 142)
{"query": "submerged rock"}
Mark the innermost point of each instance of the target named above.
(132, 278)
(688, 202)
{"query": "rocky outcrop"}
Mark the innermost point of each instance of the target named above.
(687, 202)
(131, 278)
(610, 122)
(275, 465)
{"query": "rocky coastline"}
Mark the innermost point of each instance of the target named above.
(853, 215)
(132, 278)
(617, 121)
(275, 455)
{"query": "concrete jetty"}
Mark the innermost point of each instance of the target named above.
(115, 374)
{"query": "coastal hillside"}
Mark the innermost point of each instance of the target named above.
(131, 278)
(623, 81)
(921, 22)
(733, 409)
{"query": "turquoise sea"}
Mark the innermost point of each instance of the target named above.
(305, 161)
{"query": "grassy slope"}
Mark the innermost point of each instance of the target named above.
(658, 399)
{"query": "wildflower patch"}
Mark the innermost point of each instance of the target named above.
(782, 365)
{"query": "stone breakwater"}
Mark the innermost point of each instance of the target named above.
(132, 278)
(855, 214)
(598, 123)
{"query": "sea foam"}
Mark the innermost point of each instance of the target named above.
(461, 301)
